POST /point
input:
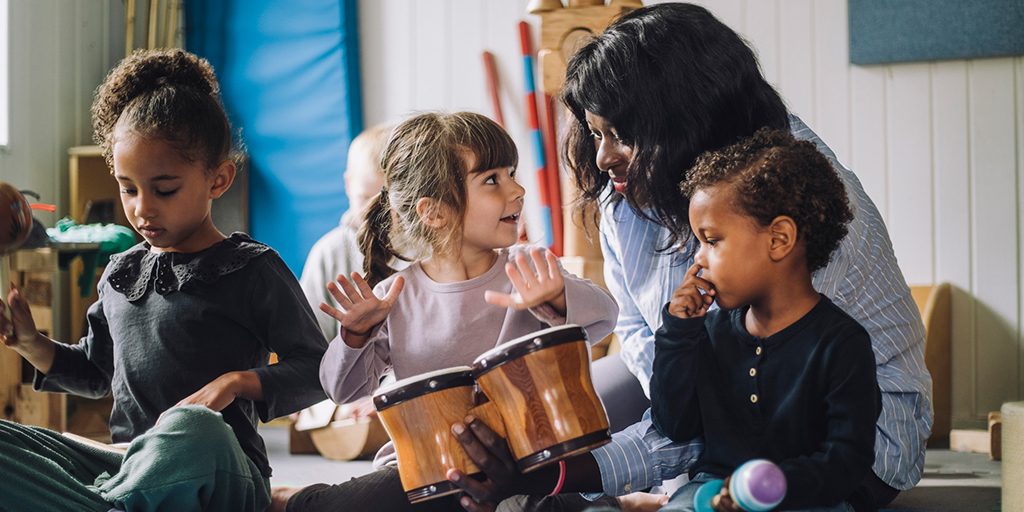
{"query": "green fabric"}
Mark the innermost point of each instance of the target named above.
(201, 467)
(43, 470)
(190, 461)
(113, 238)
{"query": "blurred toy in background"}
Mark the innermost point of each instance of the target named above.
(15, 219)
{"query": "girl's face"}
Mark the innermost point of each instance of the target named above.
(613, 155)
(734, 249)
(494, 202)
(166, 198)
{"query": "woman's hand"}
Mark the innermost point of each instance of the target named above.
(532, 289)
(492, 455)
(360, 309)
(224, 389)
(688, 301)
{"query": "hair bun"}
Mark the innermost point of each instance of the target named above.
(169, 72)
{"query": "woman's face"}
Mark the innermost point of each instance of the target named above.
(613, 155)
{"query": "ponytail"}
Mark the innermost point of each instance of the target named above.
(375, 240)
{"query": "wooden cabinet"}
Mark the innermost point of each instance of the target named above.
(92, 188)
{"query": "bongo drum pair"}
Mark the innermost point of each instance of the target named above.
(537, 393)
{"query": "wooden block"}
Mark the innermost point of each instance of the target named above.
(350, 439)
(299, 442)
(970, 440)
(995, 434)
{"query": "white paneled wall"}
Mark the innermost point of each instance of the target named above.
(60, 50)
(939, 146)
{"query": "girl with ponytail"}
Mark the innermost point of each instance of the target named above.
(451, 205)
(184, 326)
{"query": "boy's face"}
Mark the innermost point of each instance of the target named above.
(734, 250)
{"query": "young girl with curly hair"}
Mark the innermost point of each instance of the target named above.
(184, 326)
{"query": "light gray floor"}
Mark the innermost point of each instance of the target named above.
(972, 477)
(299, 470)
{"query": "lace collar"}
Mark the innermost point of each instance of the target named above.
(132, 271)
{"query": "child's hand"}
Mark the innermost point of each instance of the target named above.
(360, 308)
(224, 389)
(723, 501)
(687, 301)
(532, 289)
(19, 329)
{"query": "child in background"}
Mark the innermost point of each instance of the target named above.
(778, 371)
(452, 203)
(183, 328)
(337, 252)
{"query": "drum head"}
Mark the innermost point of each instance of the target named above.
(528, 344)
(419, 385)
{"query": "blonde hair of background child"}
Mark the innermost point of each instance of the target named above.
(425, 157)
(363, 173)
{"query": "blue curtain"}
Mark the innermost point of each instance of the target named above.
(289, 76)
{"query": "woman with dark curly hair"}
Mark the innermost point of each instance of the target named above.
(659, 87)
(777, 371)
(183, 329)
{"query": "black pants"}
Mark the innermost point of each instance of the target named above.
(382, 490)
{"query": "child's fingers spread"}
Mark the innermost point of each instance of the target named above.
(339, 296)
(332, 312)
(516, 277)
(524, 269)
(552, 264)
(497, 299)
(364, 287)
(540, 263)
(349, 290)
(396, 288)
(504, 300)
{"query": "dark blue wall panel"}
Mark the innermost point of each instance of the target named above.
(289, 74)
(883, 31)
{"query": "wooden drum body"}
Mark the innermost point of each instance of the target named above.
(418, 413)
(541, 386)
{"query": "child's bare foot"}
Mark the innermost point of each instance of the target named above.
(279, 498)
(642, 502)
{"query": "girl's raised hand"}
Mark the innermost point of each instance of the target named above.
(532, 288)
(17, 328)
(360, 309)
(687, 301)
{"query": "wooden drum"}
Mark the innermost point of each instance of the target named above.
(418, 413)
(541, 386)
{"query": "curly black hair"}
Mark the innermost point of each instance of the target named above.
(775, 174)
(168, 94)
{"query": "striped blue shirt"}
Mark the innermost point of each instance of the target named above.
(862, 278)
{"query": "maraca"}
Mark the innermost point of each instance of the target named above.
(15, 226)
(756, 486)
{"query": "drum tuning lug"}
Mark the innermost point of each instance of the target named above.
(546, 454)
(483, 362)
(384, 398)
(537, 342)
(432, 384)
(432, 489)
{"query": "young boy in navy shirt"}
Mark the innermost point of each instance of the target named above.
(777, 371)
